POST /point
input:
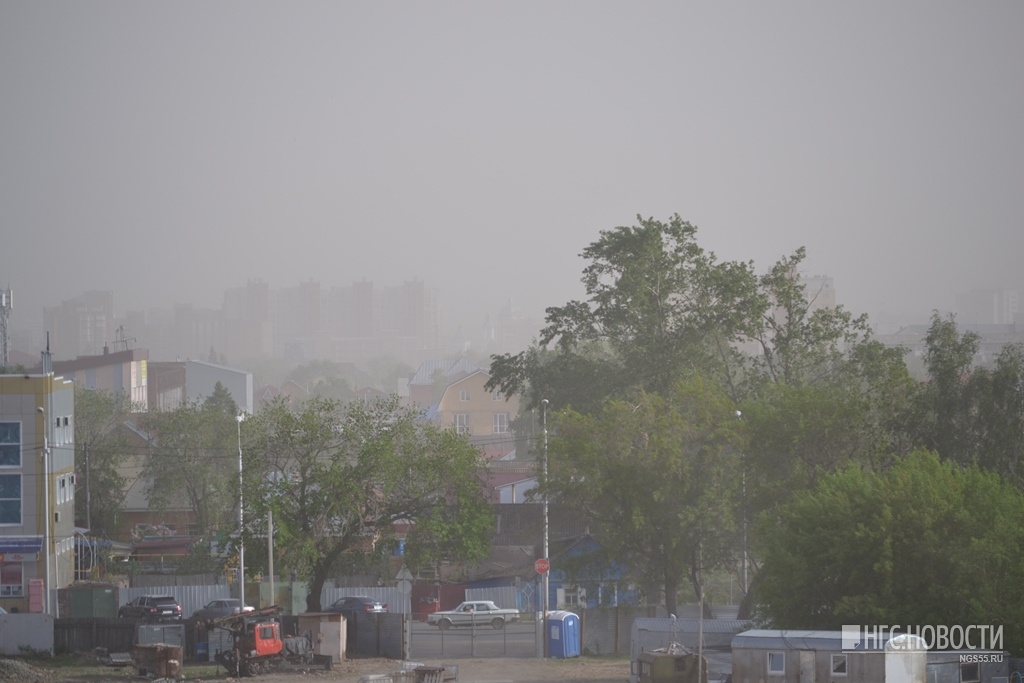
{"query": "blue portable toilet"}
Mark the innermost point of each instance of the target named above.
(563, 634)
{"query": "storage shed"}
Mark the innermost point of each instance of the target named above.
(785, 656)
(659, 633)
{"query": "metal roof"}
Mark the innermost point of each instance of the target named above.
(689, 625)
(788, 640)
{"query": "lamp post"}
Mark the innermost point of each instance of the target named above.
(47, 514)
(544, 469)
(241, 539)
(743, 504)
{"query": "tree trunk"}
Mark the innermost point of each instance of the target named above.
(316, 587)
(671, 590)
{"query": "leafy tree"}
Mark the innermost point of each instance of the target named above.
(221, 400)
(944, 410)
(656, 476)
(339, 477)
(325, 379)
(659, 308)
(999, 417)
(102, 440)
(815, 390)
(192, 461)
(927, 542)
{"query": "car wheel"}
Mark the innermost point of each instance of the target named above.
(444, 624)
(497, 623)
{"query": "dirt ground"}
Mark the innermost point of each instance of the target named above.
(508, 670)
(592, 669)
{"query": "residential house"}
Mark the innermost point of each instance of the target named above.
(484, 415)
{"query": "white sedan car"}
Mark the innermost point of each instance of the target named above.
(473, 613)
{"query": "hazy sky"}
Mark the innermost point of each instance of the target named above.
(170, 150)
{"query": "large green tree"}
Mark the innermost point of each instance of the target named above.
(816, 391)
(656, 475)
(192, 462)
(340, 477)
(998, 394)
(927, 542)
(102, 442)
(944, 410)
(659, 307)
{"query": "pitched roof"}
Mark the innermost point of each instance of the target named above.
(453, 369)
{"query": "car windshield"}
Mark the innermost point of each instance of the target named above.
(165, 601)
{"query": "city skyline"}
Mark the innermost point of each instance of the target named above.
(170, 151)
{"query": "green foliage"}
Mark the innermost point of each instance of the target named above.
(944, 410)
(338, 477)
(925, 543)
(815, 391)
(663, 305)
(102, 442)
(221, 400)
(192, 462)
(656, 478)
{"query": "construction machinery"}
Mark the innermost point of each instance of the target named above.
(258, 645)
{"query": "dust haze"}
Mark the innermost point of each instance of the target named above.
(169, 151)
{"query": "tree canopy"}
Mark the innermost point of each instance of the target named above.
(927, 542)
(815, 390)
(339, 478)
(102, 442)
(192, 461)
(655, 474)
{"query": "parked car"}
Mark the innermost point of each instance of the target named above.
(222, 607)
(152, 608)
(348, 606)
(473, 613)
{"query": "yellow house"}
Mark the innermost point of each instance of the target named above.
(483, 415)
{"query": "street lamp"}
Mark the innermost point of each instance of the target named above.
(47, 514)
(743, 505)
(241, 538)
(544, 469)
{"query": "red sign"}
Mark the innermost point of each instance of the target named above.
(542, 565)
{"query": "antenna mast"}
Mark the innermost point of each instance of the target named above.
(6, 304)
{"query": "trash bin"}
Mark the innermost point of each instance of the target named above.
(563, 634)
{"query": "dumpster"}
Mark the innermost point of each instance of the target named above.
(563, 634)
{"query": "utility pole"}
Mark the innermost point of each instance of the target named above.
(544, 469)
(88, 500)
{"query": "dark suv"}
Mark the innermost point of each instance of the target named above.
(152, 608)
(350, 605)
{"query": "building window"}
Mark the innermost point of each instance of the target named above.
(11, 580)
(10, 444)
(970, 672)
(496, 396)
(464, 394)
(839, 665)
(10, 499)
(462, 423)
(500, 423)
(776, 663)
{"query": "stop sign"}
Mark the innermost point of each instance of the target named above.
(542, 565)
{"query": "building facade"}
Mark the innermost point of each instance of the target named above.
(37, 490)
